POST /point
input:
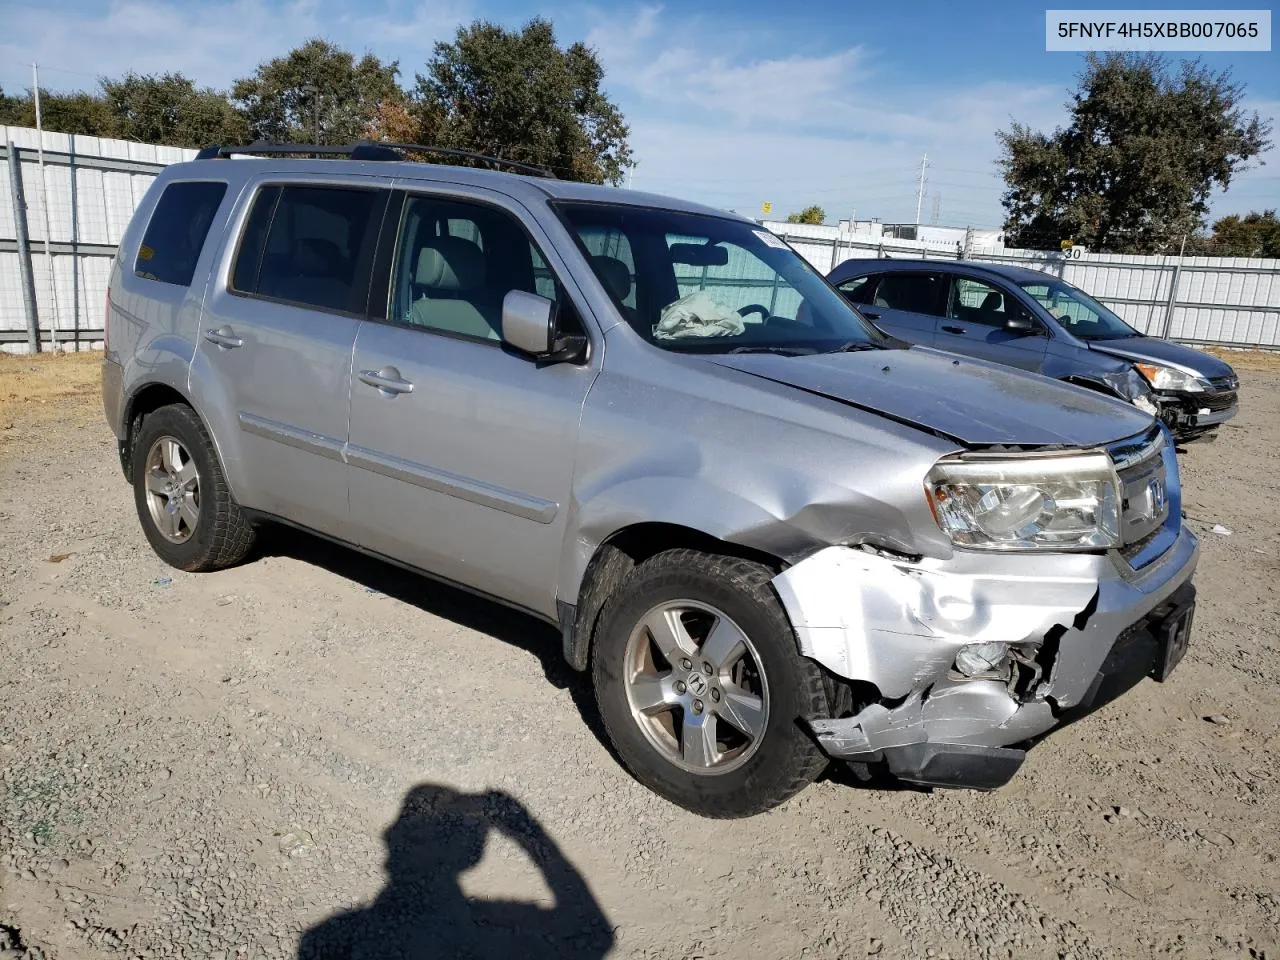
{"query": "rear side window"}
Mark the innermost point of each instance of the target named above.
(914, 292)
(858, 290)
(175, 236)
(310, 246)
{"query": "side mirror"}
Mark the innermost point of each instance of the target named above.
(528, 322)
(529, 325)
(1021, 323)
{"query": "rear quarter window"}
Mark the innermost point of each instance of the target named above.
(175, 236)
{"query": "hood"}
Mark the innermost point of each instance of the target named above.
(1167, 352)
(972, 401)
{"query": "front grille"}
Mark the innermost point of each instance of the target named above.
(1229, 382)
(1216, 401)
(1144, 497)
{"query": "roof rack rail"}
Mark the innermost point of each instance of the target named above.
(362, 150)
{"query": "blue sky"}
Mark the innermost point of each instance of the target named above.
(729, 103)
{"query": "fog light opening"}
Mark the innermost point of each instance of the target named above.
(983, 660)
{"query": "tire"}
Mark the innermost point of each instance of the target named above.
(184, 505)
(725, 773)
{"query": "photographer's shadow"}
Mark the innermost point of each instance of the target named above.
(423, 914)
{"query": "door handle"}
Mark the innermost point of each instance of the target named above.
(953, 329)
(388, 380)
(224, 337)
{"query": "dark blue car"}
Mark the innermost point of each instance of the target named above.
(1028, 319)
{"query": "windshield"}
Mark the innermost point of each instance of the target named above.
(694, 282)
(1080, 314)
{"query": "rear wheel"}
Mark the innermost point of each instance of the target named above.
(184, 505)
(701, 687)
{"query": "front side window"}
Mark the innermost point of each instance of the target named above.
(976, 302)
(1079, 314)
(700, 282)
(309, 245)
(455, 261)
(176, 234)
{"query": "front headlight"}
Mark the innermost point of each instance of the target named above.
(1049, 503)
(1171, 378)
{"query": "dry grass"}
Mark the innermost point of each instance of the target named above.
(35, 390)
(1264, 361)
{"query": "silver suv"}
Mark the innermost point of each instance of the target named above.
(772, 534)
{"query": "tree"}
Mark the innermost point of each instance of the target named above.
(170, 110)
(1133, 170)
(517, 95)
(1253, 235)
(78, 112)
(317, 81)
(813, 214)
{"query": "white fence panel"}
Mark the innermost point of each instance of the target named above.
(92, 186)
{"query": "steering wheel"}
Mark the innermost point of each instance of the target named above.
(754, 308)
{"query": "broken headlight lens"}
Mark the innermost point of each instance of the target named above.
(1050, 503)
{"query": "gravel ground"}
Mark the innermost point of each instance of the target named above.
(315, 752)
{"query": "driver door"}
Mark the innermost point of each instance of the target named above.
(975, 325)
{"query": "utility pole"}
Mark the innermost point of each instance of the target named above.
(924, 164)
(44, 184)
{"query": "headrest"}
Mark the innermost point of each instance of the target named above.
(992, 302)
(450, 263)
(613, 273)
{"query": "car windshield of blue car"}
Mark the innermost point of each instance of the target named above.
(710, 284)
(1077, 312)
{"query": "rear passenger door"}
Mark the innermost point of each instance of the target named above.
(461, 449)
(274, 354)
(906, 304)
(977, 311)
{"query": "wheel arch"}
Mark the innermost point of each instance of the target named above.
(147, 398)
(620, 553)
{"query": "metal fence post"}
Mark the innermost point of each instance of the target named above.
(24, 250)
(1173, 300)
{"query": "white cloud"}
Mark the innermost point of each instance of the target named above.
(715, 118)
(214, 43)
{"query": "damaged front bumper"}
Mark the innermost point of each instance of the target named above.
(1191, 414)
(1067, 621)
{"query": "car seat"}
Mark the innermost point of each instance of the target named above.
(992, 310)
(449, 290)
(616, 278)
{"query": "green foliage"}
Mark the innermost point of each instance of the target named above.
(279, 103)
(1253, 235)
(519, 96)
(1133, 170)
(78, 112)
(170, 110)
(508, 93)
(813, 214)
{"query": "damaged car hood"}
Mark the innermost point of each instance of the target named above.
(1155, 350)
(974, 402)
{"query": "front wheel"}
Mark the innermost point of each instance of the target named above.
(701, 686)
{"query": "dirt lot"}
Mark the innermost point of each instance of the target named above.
(317, 748)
